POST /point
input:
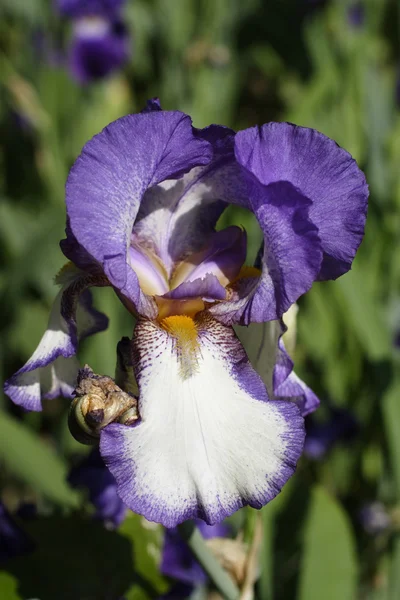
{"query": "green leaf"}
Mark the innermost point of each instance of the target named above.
(329, 568)
(34, 462)
(391, 419)
(146, 539)
(8, 587)
(74, 558)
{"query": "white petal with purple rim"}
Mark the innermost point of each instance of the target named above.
(209, 441)
(52, 368)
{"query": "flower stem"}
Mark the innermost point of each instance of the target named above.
(220, 578)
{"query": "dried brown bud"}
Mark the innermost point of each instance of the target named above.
(99, 401)
(232, 555)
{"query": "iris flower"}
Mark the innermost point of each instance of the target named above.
(143, 200)
(100, 40)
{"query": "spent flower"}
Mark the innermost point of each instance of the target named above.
(143, 200)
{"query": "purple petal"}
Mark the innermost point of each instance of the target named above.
(208, 288)
(178, 561)
(106, 185)
(177, 218)
(316, 170)
(209, 441)
(223, 256)
(292, 254)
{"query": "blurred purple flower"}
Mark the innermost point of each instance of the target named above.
(341, 426)
(13, 540)
(100, 39)
(374, 518)
(179, 563)
(93, 475)
(356, 14)
(86, 8)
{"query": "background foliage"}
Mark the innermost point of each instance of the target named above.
(235, 63)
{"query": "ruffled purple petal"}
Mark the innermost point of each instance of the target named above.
(314, 169)
(291, 260)
(106, 185)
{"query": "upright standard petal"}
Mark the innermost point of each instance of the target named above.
(209, 440)
(52, 369)
(107, 182)
(314, 168)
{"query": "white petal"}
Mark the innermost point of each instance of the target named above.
(209, 441)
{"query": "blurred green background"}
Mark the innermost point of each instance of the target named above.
(330, 65)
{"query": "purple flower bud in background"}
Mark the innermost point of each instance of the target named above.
(179, 563)
(92, 474)
(356, 15)
(83, 8)
(322, 436)
(13, 540)
(374, 518)
(100, 39)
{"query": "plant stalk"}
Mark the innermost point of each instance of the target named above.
(220, 578)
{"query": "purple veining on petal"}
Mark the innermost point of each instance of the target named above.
(178, 486)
